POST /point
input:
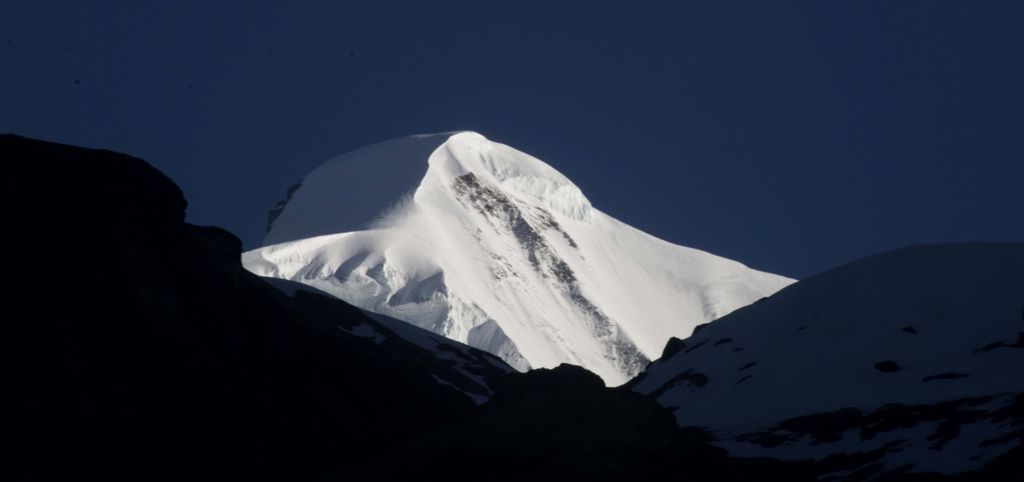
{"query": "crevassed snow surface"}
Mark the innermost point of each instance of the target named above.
(929, 336)
(489, 246)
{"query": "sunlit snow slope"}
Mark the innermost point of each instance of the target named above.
(492, 247)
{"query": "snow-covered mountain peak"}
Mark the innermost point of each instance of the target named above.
(492, 247)
(385, 180)
(516, 172)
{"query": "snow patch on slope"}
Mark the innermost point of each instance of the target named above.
(930, 337)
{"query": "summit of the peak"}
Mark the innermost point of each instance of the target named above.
(354, 190)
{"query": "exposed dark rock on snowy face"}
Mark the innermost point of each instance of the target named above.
(903, 363)
(504, 253)
(504, 215)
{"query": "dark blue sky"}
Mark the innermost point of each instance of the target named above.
(789, 137)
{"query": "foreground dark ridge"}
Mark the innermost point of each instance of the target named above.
(145, 352)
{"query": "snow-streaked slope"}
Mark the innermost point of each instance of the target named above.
(915, 356)
(489, 246)
(466, 369)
